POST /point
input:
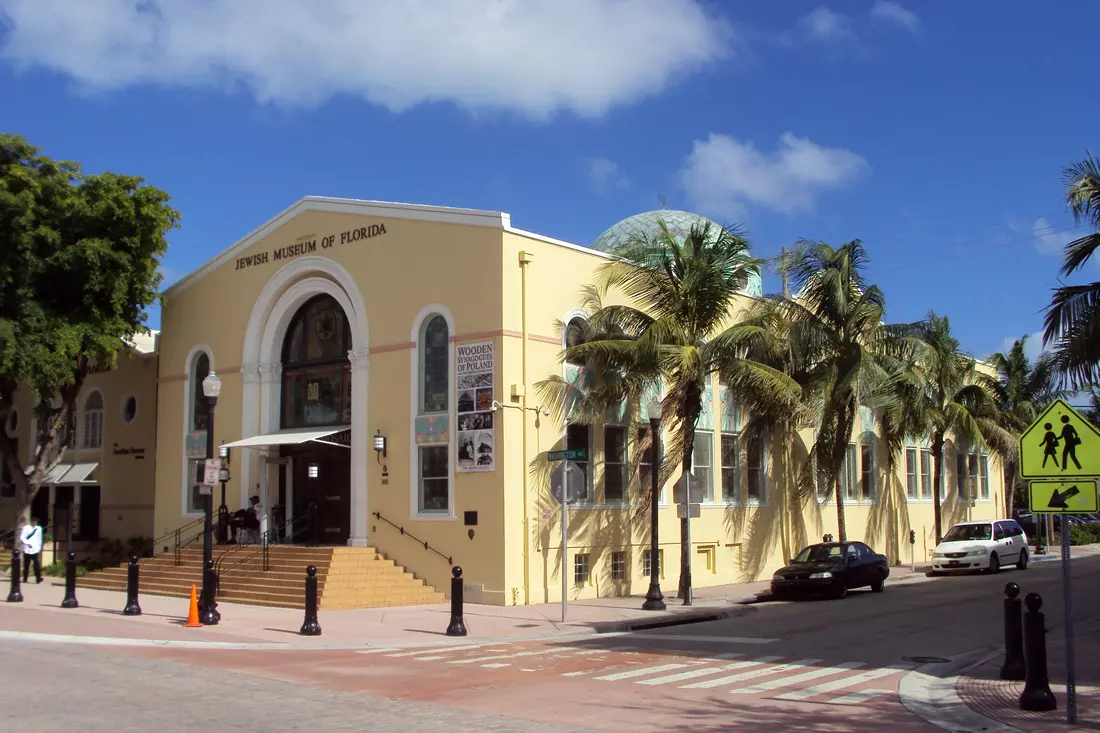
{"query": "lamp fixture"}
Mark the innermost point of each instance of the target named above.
(223, 452)
(212, 385)
(653, 409)
(380, 445)
(540, 410)
(313, 470)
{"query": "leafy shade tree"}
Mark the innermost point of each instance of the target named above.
(958, 402)
(675, 328)
(79, 257)
(1072, 321)
(837, 329)
(1022, 389)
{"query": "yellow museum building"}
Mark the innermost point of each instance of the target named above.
(379, 361)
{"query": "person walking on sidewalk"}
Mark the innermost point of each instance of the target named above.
(31, 538)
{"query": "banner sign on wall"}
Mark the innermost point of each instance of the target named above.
(474, 368)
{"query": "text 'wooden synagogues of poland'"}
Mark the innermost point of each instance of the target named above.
(361, 347)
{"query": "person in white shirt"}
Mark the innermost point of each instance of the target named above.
(31, 538)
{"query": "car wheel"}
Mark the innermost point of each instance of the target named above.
(1022, 563)
(934, 573)
(878, 584)
(994, 564)
(840, 588)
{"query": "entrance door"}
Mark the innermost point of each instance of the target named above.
(89, 513)
(329, 489)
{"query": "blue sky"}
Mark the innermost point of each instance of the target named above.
(934, 132)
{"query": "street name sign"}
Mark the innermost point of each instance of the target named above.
(569, 454)
(1078, 496)
(1060, 444)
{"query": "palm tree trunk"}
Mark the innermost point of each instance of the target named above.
(841, 530)
(937, 478)
(685, 528)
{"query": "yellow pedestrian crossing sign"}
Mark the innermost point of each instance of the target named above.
(1060, 444)
(1063, 497)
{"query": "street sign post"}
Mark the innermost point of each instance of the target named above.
(688, 490)
(1060, 453)
(567, 483)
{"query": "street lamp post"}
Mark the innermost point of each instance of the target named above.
(654, 599)
(208, 614)
(223, 510)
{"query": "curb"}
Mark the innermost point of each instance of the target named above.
(677, 619)
(929, 693)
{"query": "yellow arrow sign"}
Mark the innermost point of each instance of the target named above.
(1060, 444)
(1063, 497)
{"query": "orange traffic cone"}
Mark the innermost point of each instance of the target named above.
(193, 614)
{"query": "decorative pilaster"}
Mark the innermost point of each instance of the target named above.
(360, 378)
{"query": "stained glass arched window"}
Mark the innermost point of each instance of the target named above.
(316, 370)
(434, 365)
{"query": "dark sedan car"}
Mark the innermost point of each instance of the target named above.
(832, 568)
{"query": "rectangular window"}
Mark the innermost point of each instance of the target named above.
(614, 463)
(93, 429)
(618, 565)
(701, 463)
(972, 465)
(646, 568)
(926, 474)
(434, 473)
(911, 473)
(960, 474)
(645, 463)
(867, 471)
(848, 473)
(754, 471)
(578, 436)
(731, 469)
(985, 477)
(580, 569)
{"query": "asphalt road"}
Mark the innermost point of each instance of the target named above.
(942, 616)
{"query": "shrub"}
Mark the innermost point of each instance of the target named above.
(57, 570)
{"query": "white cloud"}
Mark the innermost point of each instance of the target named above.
(1033, 347)
(1050, 239)
(722, 175)
(605, 176)
(892, 12)
(827, 26)
(535, 57)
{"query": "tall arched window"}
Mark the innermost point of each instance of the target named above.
(316, 370)
(575, 334)
(199, 371)
(93, 421)
(433, 459)
(434, 366)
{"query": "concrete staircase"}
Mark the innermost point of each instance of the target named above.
(347, 577)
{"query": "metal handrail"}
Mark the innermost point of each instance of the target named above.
(283, 534)
(180, 539)
(402, 530)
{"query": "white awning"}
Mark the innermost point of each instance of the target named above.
(65, 474)
(285, 437)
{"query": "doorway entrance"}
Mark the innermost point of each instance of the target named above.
(320, 475)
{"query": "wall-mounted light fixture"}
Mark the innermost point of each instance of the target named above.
(380, 445)
(313, 470)
(540, 410)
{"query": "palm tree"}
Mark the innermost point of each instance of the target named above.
(837, 330)
(1073, 318)
(675, 328)
(1022, 389)
(1092, 411)
(957, 400)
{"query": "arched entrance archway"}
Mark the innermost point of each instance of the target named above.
(269, 330)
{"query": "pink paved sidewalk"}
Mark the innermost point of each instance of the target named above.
(984, 692)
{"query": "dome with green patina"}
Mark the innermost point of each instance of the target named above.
(646, 225)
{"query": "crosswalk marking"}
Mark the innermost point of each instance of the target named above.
(857, 697)
(834, 685)
(693, 673)
(435, 657)
(732, 679)
(417, 652)
(798, 678)
(515, 655)
(640, 672)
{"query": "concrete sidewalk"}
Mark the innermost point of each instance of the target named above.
(99, 614)
(984, 692)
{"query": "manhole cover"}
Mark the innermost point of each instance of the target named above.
(927, 660)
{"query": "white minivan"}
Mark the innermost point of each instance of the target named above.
(988, 545)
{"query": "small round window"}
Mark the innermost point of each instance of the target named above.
(129, 409)
(13, 422)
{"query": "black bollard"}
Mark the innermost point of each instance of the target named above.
(1036, 696)
(15, 595)
(1013, 667)
(310, 627)
(208, 605)
(132, 607)
(457, 626)
(70, 583)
